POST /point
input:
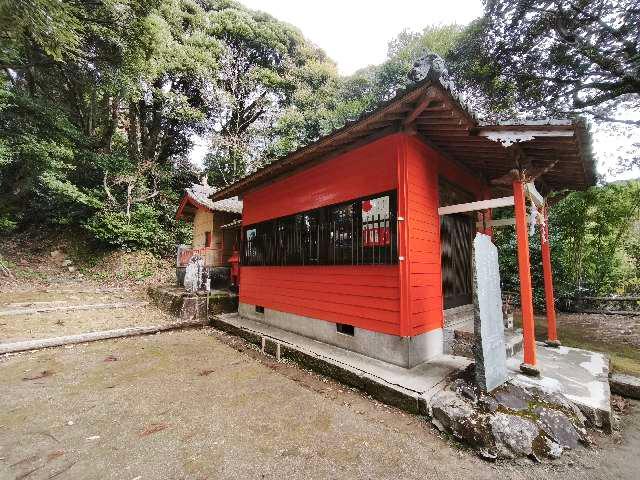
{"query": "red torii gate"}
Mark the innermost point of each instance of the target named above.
(521, 189)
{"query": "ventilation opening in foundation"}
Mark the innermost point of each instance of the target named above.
(345, 329)
(259, 309)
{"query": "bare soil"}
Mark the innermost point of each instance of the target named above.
(616, 335)
(40, 260)
(60, 323)
(199, 404)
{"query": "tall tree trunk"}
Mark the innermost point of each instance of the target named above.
(134, 152)
(113, 105)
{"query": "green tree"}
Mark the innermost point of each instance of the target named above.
(558, 57)
(322, 101)
(98, 108)
(267, 70)
(594, 237)
(372, 85)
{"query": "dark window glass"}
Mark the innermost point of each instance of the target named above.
(341, 234)
(360, 232)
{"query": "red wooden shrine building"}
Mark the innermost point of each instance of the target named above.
(363, 238)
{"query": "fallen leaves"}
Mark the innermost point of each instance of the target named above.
(204, 373)
(110, 358)
(153, 428)
(619, 404)
(38, 376)
(54, 455)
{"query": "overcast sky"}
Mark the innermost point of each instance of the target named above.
(355, 33)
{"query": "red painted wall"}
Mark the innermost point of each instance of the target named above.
(363, 296)
(403, 299)
(424, 165)
(363, 171)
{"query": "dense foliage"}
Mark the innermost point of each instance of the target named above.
(559, 57)
(595, 241)
(100, 102)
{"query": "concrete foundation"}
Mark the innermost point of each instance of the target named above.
(409, 389)
(405, 352)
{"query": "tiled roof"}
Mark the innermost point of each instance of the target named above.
(201, 193)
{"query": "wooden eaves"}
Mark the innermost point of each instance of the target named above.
(558, 155)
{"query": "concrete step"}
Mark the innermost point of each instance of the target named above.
(458, 340)
(514, 342)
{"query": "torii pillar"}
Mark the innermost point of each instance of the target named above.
(524, 268)
(552, 334)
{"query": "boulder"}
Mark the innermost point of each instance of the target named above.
(514, 435)
(551, 448)
(558, 427)
(512, 397)
(449, 411)
(488, 403)
(558, 401)
(466, 389)
(453, 415)
(510, 422)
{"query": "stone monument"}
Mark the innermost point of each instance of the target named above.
(489, 347)
(195, 275)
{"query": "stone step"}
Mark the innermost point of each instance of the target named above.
(460, 338)
(458, 315)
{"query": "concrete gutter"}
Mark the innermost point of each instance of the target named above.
(625, 385)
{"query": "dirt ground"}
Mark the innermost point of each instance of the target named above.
(59, 323)
(616, 335)
(199, 404)
(39, 259)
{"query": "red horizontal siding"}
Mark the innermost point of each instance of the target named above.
(425, 280)
(364, 296)
(361, 172)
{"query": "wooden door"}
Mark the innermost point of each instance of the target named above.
(456, 237)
